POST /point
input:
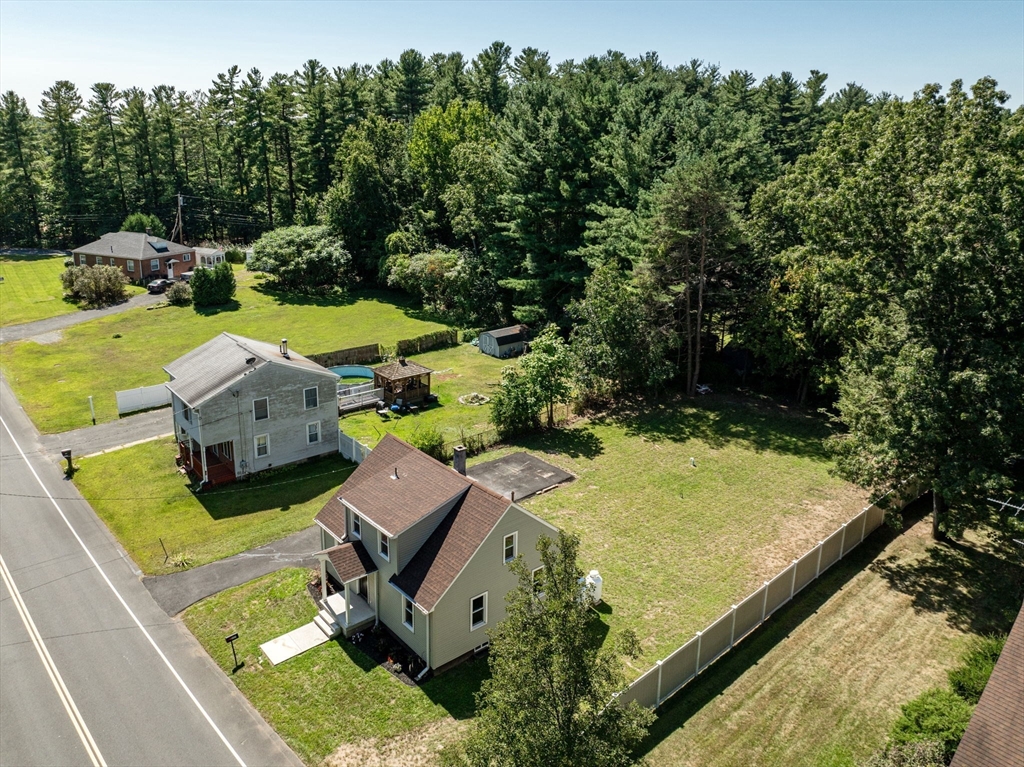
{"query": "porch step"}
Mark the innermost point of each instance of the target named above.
(329, 628)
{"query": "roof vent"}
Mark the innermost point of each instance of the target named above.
(401, 361)
(250, 360)
(395, 475)
(284, 348)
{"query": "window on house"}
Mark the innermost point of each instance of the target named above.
(262, 445)
(407, 614)
(186, 413)
(312, 432)
(131, 265)
(188, 257)
(478, 611)
(538, 581)
(154, 265)
(261, 409)
(310, 396)
(510, 546)
(385, 546)
(99, 260)
(357, 526)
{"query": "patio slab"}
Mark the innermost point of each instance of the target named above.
(520, 474)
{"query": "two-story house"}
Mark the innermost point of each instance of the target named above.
(141, 257)
(424, 550)
(241, 406)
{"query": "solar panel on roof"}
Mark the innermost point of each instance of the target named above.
(160, 247)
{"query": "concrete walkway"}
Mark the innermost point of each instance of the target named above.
(104, 437)
(177, 591)
(51, 324)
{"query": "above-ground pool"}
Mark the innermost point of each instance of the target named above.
(352, 371)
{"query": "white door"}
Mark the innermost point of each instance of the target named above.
(170, 270)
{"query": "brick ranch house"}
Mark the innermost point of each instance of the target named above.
(142, 257)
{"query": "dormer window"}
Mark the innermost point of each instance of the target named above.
(385, 547)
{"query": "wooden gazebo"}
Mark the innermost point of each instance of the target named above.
(403, 380)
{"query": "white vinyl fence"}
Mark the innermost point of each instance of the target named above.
(351, 448)
(673, 673)
(143, 398)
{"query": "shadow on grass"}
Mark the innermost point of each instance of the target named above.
(29, 254)
(277, 491)
(575, 442)
(209, 311)
(455, 690)
(281, 297)
(977, 588)
(720, 419)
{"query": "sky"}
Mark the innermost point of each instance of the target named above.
(885, 46)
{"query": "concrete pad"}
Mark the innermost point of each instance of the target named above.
(293, 643)
(519, 473)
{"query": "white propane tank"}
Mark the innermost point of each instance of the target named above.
(594, 584)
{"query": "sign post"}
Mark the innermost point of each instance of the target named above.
(231, 641)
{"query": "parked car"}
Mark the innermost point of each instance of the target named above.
(159, 286)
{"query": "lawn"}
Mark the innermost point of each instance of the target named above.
(822, 682)
(31, 289)
(330, 695)
(675, 544)
(460, 370)
(142, 499)
(53, 381)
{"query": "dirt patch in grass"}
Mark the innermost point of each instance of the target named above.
(416, 748)
(53, 337)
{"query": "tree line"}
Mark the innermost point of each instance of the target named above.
(862, 248)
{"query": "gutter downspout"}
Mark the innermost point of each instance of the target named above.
(202, 445)
(427, 667)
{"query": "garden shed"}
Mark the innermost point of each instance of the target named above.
(402, 380)
(504, 342)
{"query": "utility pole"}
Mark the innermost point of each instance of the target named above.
(179, 223)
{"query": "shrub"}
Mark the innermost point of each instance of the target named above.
(430, 441)
(936, 715)
(140, 222)
(968, 680)
(95, 285)
(179, 294)
(306, 259)
(924, 753)
(515, 404)
(213, 287)
(235, 255)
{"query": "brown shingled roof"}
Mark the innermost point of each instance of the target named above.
(351, 561)
(332, 516)
(995, 735)
(400, 369)
(441, 558)
(397, 485)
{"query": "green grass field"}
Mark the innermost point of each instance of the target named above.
(330, 695)
(822, 682)
(31, 289)
(460, 370)
(53, 381)
(142, 499)
(677, 545)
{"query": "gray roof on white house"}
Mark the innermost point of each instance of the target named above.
(221, 361)
(208, 251)
(136, 245)
(510, 335)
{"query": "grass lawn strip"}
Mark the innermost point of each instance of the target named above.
(31, 289)
(142, 499)
(460, 370)
(677, 545)
(53, 381)
(330, 695)
(823, 681)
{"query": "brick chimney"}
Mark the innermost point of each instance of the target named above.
(459, 459)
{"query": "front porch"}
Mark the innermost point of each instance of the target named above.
(219, 461)
(351, 613)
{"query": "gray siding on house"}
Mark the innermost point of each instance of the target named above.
(450, 634)
(189, 427)
(226, 417)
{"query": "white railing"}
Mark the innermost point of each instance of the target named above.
(360, 399)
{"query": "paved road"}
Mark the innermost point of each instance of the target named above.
(95, 642)
(37, 328)
(177, 591)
